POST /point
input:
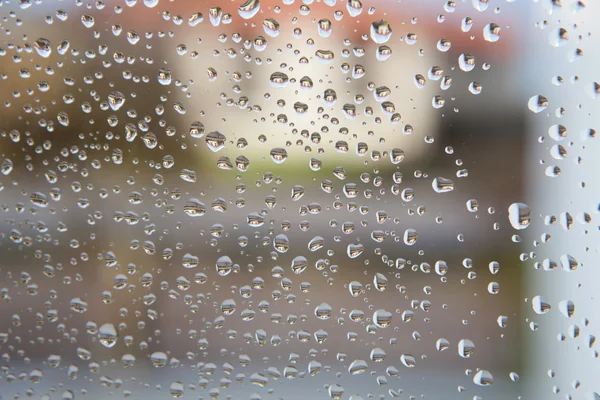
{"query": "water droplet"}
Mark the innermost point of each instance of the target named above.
(480, 5)
(408, 360)
(43, 47)
(559, 37)
(271, 27)
(493, 288)
(278, 155)
(224, 266)
(316, 243)
(323, 311)
(410, 237)
(491, 32)
(466, 62)
(194, 208)
(164, 76)
(6, 167)
(215, 141)
(211, 74)
(567, 308)
(190, 261)
(355, 288)
(159, 359)
(381, 31)
(537, 103)
(354, 7)
(281, 243)
(278, 79)
(475, 87)
(325, 27)
(442, 344)
(325, 56)
(297, 192)
(39, 199)
(380, 282)
(444, 45)
(116, 100)
(355, 250)
(519, 215)
(442, 185)
(107, 335)
(214, 15)
(249, 9)
(382, 318)
(358, 367)
(466, 24)
(336, 391)
(540, 305)
(299, 264)
(195, 19)
(466, 348)
(483, 378)
(87, 21)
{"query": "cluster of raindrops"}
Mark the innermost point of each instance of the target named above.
(232, 194)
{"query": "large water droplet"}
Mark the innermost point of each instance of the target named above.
(382, 318)
(215, 141)
(540, 305)
(537, 103)
(483, 378)
(354, 7)
(519, 215)
(224, 265)
(358, 367)
(87, 21)
(164, 76)
(466, 348)
(271, 27)
(43, 47)
(107, 335)
(116, 100)
(491, 32)
(381, 31)
(249, 9)
(299, 264)
(442, 185)
(466, 62)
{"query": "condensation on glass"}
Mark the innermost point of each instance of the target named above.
(299, 199)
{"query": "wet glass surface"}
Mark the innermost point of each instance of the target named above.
(299, 199)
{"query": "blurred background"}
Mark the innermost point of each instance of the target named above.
(194, 182)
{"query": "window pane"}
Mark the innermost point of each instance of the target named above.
(298, 199)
